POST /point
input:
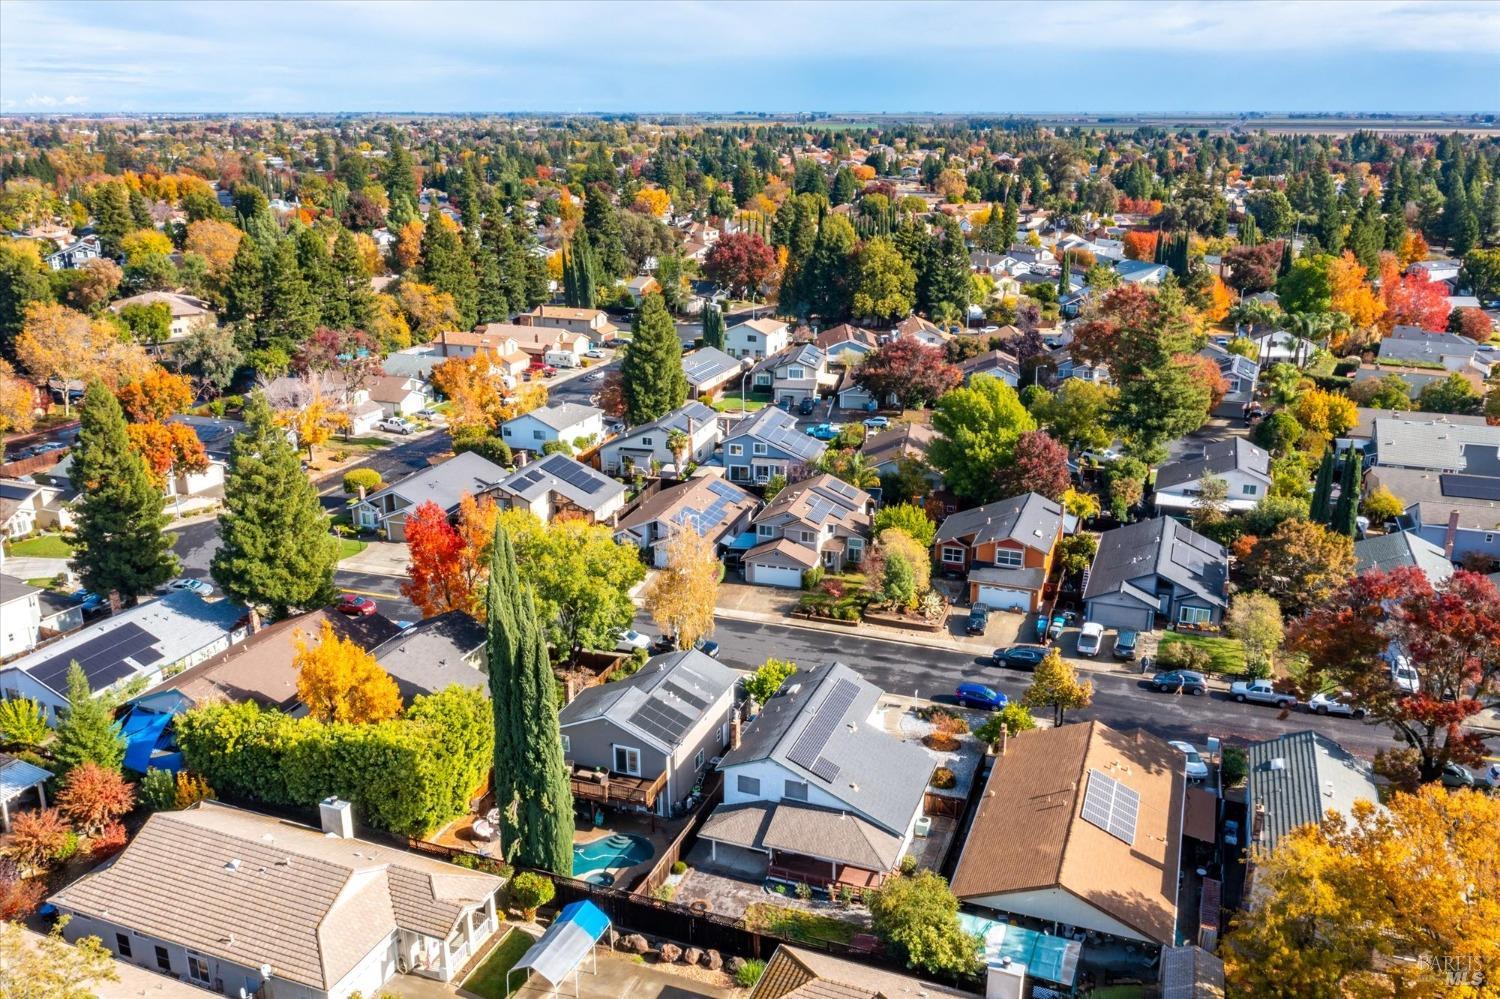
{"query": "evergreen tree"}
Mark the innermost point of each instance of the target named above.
(316, 265)
(579, 272)
(1320, 512)
(651, 372)
(1286, 259)
(245, 285)
(1010, 221)
(448, 267)
(1346, 514)
(845, 187)
(355, 303)
(531, 779)
(400, 179)
(943, 273)
(118, 544)
(826, 281)
(111, 208)
(604, 233)
(713, 327)
(277, 552)
(1065, 276)
(86, 730)
(290, 315)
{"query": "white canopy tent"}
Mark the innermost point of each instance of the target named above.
(561, 950)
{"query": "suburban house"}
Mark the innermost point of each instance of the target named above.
(1141, 271)
(919, 329)
(592, 323)
(1442, 269)
(800, 373)
(642, 446)
(996, 364)
(568, 422)
(844, 344)
(1401, 550)
(640, 286)
(1065, 366)
(1245, 468)
(818, 521)
(884, 450)
(399, 395)
(504, 352)
(558, 483)
(434, 654)
(1447, 472)
(20, 616)
(20, 504)
(414, 362)
(719, 511)
(1241, 374)
(444, 484)
(756, 339)
(75, 253)
(235, 901)
(1081, 825)
(1156, 568)
(1004, 548)
(1294, 780)
(1412, 345)
(149, 642)
(643, 742)
(188, 313)
(1433, 443)
(709, 370)
(1281, 347)
(769, 443)
(802, 974)
(817, 792)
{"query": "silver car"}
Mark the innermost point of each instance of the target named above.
(1335, 702)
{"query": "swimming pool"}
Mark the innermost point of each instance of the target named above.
(619, 850)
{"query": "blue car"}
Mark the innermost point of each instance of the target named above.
(877, 423)
(979, 696)
(90, 601)
(822, 431)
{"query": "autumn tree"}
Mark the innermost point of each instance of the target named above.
(472, 389)
(681, 597)
(217, 243)
(37, 836)
(339, 681)
(1300, 563)
(49, 967)
(979, 425)
(1369, 903)
(167, 448)
(1411, 299)
(1039, 465)
(911, 371)
(1055, 685)
(17, 401)
(155, 396)
(57, 342)
(449, 562)
(1255, 619)
(741, 262)
(92, 797)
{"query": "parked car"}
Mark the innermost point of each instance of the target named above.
(428, 414)
(1020, 656)
(191, 585)
(1184, 680)
(1059, 622)
(395, 425)
(822, 431)
(1456, 776)
(806, 406)
(48, 447)
(616, 343)
(548, 371)
(1231, 835)
(1196, 768)
(355, 605)
(979, 620)
(596, 353)
(708, 647)
(1260, 692)
(1091, 638)
(1404, 675)
(1335, 702)
(977, 695)
(877, 423)
(89, 601)
(634, 640)
(1125, 645)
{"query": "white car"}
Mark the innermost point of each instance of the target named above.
(1335, 702)
(428, 414)
(1404, 675)
(395, 425)
(634, 640)
(1196, 768)
(1090, 638)
(595, 354)
(191, 585)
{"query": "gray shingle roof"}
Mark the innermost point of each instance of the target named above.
(446, 484)
(688, 683)
(691, 416)
(1411, 343)
(1435, 443)
(1031, 519)
(1300, 776)
(1385, 552)
(778, 429)
(1234, 454)
(585, 487)
(1158, 547)
(564, 415)
(434, 654)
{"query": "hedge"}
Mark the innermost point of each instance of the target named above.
(409, 775)
(367, 477)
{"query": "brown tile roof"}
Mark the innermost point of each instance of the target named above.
(909, 440)
(254, 889)
(809, 974)
(1028, 833)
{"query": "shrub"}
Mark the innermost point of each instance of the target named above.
(940, 742)
(37, 836)
(491, 447)
(679, 867)
(1015, 717)
(1184, 655)
(191, 789)
(68, 848)
(804, 891)
(158, 790)
(367, 478)
(812, 577)
(749, 973)
(93, 797)
(1234, 766)
(768, 678)
(22, 723)
(20, 898)
(530, 891)
(917, 915)
(943, 779)
(110, 841)
(949, 724)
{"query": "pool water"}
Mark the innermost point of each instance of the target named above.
(619, 850)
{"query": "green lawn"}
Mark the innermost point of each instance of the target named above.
(798, 925)
(730, 403)
(1228, 655)
(349, 547)
(43, 546)
(488, 979)
(43, 584)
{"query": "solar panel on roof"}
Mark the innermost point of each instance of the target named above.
(102, 659)
(661, 721)
(825, 769)
(808, 748)
(1110, 806)
(1480, 487)
(723, 490)
(685, 695)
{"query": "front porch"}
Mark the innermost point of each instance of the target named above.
(443, 958)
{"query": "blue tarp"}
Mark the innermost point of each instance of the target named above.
(143, 731)
(744, 542)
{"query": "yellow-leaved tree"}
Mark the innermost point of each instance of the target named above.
(1403, 901)
(341, 682)
(681, 597)
(1055, 685)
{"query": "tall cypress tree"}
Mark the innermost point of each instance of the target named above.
(1320, 511)
(1065, 276)
(1346, 514)
(245, 287)
(118, 542)
(277, 553)
(713, 327)
(531, 778)
(603, 224)
(652, 369)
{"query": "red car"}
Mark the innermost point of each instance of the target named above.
(356, 606)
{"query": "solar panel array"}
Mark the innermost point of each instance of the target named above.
(103, 659)
(571, 472)
(724, 495)
(1480, 487)
(1111, 806)
(661, 720)
(807, 751)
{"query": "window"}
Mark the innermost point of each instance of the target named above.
(646, 441)
(856, 549)
(1193, 615)
(198, 969)
(163, 959)
(537, 435)
(698, 760)
(810, 537)
(749, 337)
(796, 790)
(122, 945)
(628, 760)
(765, 531)
(1489, 538)
(567, 744)
(1011, 558)
(762, 473)
(747, 785)
(758, 448)
(736, 449)
(795, 373)
(1250, 489)
(953, 556)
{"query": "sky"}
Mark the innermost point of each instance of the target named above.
(694, 56)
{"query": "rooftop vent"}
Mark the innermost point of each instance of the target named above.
(1279, 763)
(233, 865)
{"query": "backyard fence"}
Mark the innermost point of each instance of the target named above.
(683, 842)
(943, 805)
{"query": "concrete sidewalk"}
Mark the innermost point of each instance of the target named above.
(380, 558)
(23, 567)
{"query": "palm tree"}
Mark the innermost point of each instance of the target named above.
(678, 443)
(851, 467)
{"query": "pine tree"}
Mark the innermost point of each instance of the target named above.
(1010, 221)
(1320, 512)
(316, 265)
(1346, 514)
(826, 284)
(400, 180)
(448, 267)
(943, 272)
(713, 327)
(604, 232)
(1065, 276)
(356, 301)
(651, 372)
(277, 552)
(245, 286)
(118, 542)
(290, 315)
(531, 778)
(1286, 259)
(86, 731)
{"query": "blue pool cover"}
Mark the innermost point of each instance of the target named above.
(1047, 957)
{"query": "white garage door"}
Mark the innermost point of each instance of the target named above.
(1003, 598)
(770, 575)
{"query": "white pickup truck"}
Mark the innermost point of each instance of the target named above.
(1261, 692)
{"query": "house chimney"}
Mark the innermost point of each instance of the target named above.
(1451, 536)
(1005, 979)
(1004, 737)
(337, 816)
(734, 731)
(254, 620)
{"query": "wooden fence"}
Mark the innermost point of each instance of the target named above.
(683, 842)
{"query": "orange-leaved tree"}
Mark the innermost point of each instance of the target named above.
(1351, 294)
(93, 797)
(437, 582)
(155, 397)
(341, 682)
(167, 447)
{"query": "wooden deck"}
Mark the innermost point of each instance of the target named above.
(616, 789)
(822, 873)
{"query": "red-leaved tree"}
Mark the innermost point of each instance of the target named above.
(438, 582)
(1253, 268)
(740, 262)
(1449, 633)
(1411, 299)
(1040, 466)
(93, 797)
(912, 371)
